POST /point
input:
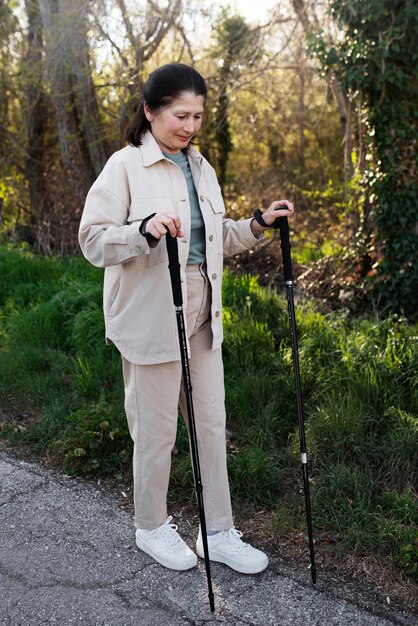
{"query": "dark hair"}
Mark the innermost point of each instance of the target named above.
(162, 87)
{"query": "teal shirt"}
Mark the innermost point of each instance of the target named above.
(197, 251)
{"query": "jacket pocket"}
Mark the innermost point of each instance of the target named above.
(218, 211)
(217, 204)
(142, 207)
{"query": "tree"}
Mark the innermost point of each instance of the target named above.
(377, 56)
(82, 143)
(37, 109)
(285, 132)
(305, 11)
(237, 49)
(12, 188)
(72, 73)
(55, 129)
(145, 30)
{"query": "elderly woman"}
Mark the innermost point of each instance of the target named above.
(157, 184)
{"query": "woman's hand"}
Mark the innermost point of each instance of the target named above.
(160, 223)
(278, 208)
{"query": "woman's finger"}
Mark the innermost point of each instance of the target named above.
(161, 222)
(282, 205)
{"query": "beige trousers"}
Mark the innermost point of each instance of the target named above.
(152, 396)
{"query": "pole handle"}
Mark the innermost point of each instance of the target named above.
(282, 224)
(174, 267)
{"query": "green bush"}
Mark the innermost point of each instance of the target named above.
(95, 438)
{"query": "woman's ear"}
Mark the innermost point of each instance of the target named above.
(148, 113)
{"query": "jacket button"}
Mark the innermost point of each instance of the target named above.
(214, 276)
(140, 250)
(210, 237)
(202, 198)
(217, 313)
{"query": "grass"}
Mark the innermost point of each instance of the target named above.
(55, 365)
(62, 396)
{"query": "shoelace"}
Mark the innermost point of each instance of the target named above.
(234, 537)
(167, 533)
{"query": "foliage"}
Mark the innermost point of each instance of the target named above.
(236, 48)
(407, 557)
(252, 134)
(62, 395)
(377, 57)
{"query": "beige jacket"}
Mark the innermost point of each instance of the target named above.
(138, 306)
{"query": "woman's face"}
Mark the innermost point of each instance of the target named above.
(175, 125)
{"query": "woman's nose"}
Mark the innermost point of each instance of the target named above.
(189, 126)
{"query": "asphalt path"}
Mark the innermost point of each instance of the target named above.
(67, 556)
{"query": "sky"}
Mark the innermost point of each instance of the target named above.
(254, 10)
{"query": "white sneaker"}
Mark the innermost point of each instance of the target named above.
(166, 546)
(227, 547)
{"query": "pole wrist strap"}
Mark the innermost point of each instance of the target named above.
(259, 217)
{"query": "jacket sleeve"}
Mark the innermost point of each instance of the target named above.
(237, 236)
(105, 236)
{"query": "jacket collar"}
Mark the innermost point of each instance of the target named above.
(151, 151)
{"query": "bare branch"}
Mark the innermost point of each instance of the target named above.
(127, 23)
(113, 44)
(166, 19)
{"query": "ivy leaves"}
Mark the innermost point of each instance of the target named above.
(375, 54)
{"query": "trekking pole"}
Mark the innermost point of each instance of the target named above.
(283, 224)
(174, 267)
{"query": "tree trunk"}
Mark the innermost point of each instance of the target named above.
(301, 118)
(82, 147)
(86, 105)
(223, 134)
(36, 123)
(340, 98)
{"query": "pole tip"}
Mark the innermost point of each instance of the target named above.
(212, 603)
